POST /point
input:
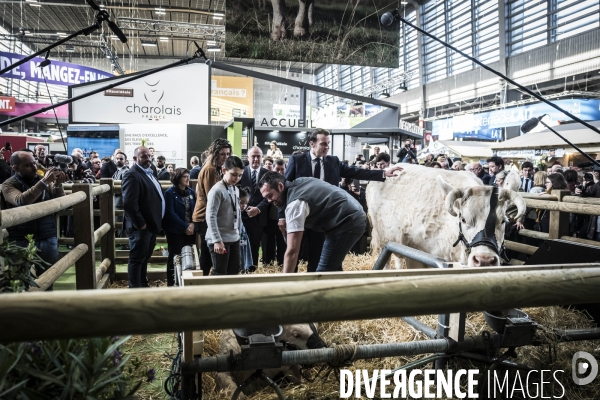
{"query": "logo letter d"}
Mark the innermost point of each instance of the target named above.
(583, 367)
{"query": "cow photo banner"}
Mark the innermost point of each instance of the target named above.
(344, 32)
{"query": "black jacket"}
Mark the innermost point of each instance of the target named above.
(108, 169)
(164, 175)
(256, 198)
(141, 201)
(404, 152)
(300, 166)
(194, 172)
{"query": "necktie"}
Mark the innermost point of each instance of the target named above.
(317, 173)
(526, 188)
(254, 183)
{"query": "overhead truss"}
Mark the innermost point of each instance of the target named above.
(202, 31)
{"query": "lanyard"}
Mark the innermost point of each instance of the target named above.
(233, 203)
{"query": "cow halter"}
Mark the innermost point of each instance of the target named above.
(486, 236)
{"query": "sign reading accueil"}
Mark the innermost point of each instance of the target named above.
(177, 95)
(57, 73)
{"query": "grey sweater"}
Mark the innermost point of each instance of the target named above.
(223, 221)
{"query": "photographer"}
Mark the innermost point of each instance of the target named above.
(591, 188)
(359, 160)
(407, 153)
(27, 187)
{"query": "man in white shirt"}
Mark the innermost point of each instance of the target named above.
(314, 204)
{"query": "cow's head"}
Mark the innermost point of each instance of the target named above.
(301, 337)
(482, 231)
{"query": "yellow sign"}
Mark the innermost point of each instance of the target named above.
(231, 97)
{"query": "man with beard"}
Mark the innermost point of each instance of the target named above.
(162, 172)
(324, 208)
(108, 169)
(27, 187)
(144, 206)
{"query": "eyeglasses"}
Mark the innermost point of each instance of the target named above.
(96, 162)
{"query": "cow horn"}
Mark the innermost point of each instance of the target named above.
(518, 201)
(451, 197)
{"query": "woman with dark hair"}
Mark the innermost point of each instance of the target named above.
(209, 175)
(180, 200)
(274, 152)
(571, 178)
(553, 182)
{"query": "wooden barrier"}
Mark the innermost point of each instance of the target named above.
(222, 306)
(101, 232)
(54, 272)
(83, 232)
(559, 204)
(520, 247)
(107, 217)
(18, 215)
(102, 269)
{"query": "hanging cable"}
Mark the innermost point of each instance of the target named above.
(55, 116)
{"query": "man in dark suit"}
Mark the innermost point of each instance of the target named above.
(162, 171)
(109, 168)
(316, 163)
(526, 176)
(257, 213)
(144, 207)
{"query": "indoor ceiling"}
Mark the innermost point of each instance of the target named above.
(164, 29)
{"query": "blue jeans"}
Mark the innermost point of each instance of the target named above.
(141, 244)
(337, 246)
(47, 250)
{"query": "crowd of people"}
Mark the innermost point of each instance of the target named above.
(258, 211)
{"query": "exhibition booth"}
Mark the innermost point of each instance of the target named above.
(466, 151)
(536, 146)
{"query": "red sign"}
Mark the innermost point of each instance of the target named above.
(7, 103)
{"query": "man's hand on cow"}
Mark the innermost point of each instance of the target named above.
(390, 171)
(282, 227)
(252, 211)
(219, 248)
(519, 226)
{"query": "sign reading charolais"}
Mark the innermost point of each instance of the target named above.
(178, 95)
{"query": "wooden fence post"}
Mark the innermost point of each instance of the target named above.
(83, 232)
(107, 215)
(559, 221)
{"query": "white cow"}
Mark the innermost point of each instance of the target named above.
(422, 208)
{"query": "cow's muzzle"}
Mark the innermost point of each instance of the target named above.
(486, 236)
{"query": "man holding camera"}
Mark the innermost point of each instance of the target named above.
(27, 187)
(407, 153)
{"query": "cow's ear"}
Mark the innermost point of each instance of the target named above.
(445, 186)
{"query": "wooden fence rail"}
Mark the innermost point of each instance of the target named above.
(560, 204)
(222, 305)
(83, 255)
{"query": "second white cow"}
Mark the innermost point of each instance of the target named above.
(427, 208)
